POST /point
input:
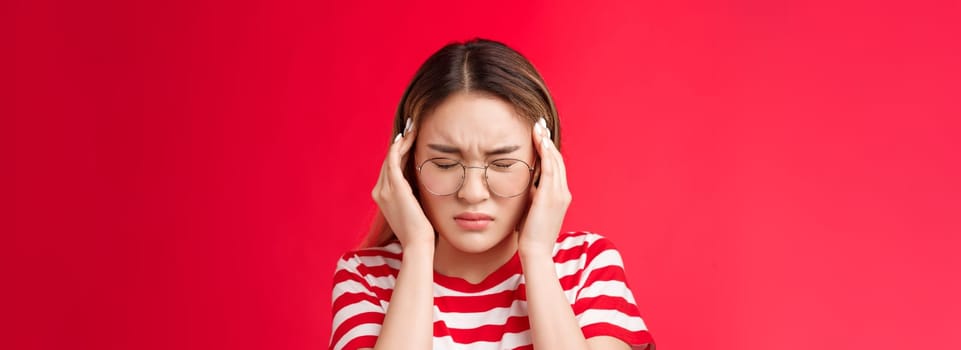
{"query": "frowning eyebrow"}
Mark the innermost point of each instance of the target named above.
(454, 150)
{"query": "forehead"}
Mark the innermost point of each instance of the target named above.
(465, 118)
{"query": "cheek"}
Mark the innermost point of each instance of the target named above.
(435, 208)
(515, 208)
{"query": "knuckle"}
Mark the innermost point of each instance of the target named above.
(547, 171)
(379, 194)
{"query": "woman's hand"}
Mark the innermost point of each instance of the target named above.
(395, 198)
(550, 198)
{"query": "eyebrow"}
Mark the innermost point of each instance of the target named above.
(454, 150)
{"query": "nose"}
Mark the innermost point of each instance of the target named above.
(474, 188)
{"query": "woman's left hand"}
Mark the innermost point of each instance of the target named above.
(549, 200)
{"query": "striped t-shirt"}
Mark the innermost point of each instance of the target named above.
(491, 314)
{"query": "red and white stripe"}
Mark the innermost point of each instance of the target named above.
(493, 313)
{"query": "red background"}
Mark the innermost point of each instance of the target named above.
(778, 174)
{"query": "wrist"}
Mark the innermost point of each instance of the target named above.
(419, 246)
(534, 252)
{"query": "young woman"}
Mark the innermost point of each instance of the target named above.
(467, 250)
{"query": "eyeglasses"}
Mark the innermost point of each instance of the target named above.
(504, 177)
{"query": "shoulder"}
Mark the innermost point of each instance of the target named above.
(582, 242)
(369, 271)
(384, 257)
(580, 250)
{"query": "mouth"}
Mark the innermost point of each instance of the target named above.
(473, 221)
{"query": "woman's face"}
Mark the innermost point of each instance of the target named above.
(474, 129)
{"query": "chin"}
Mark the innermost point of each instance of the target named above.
(475, 242)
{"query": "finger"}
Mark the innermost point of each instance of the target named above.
(400, 152)
(393, 160)
(558, 160)
(406, 143)
(540, 136)
(553, 169)
(547, 167)
(377, 193)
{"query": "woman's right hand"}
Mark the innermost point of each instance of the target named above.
(395, 197)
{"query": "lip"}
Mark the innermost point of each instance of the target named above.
(473, 221)
(473, 216)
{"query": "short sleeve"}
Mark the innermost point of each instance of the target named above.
(605, 305)
(356, 309)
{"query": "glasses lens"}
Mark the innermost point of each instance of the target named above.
(508, 177)
(441, 176)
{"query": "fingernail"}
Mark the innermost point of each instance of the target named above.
(548, 134)
(546, 142)
(397, 138)
(543, 123)
(407, 126)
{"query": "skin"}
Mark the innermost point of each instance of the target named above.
(475, 124)
(469, 128)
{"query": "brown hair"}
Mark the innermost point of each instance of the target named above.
(476, 66)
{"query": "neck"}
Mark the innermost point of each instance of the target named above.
(473, 266)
